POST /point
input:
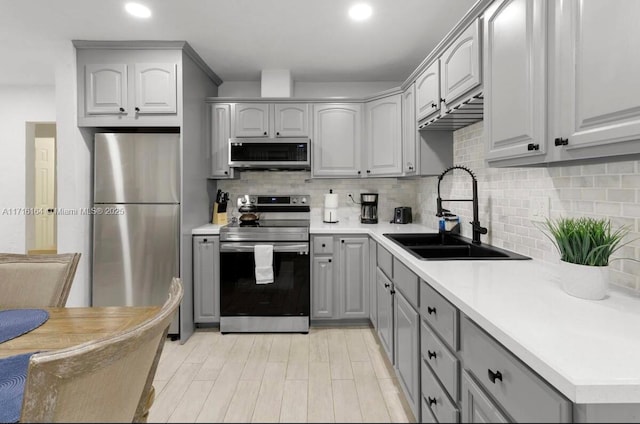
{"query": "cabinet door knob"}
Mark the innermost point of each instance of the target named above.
(443, 100)
(493, 376)
(204, 240)
(431, 354)
(431, 310)
(434, 105)
(324, 245)
(392, 291)
(265, 133)
(533, 146)
(277, 133)
(341, 241)
(386, 284)
(368, 171)
(329, 260)
(359, 172)
(137, 109)
(121, 109)
(226, 172)
(432, 401)
(561, 141)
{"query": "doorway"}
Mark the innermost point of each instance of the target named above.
(40, 217)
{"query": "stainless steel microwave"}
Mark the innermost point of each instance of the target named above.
(270, 153)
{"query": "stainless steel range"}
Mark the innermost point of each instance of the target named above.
(265, 266)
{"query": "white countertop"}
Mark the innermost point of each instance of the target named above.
(588, 350)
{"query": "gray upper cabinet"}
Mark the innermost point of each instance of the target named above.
(251, 120)
(515, 80)
(126, 87)
(291, 120)
(271, 120)
(206, 279)
(460, 65)
(598, 107)
(410, 153)
(156, 88)
(105, 88)
(383, 146)
(428, 92)
(337, 133)
(353, 278)
(220, 131)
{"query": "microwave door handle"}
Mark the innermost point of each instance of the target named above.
(294, 248)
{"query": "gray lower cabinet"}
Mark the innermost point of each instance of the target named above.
(520, 392)
(384, 300)
(476, 406)
(373, 291)
(322, 295)
(406, 329)
(353, 277)
(340, 278)
(206, 279)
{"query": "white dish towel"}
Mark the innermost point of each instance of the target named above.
(263, 254)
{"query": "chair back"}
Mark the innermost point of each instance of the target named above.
(36, 281)
(107, 380)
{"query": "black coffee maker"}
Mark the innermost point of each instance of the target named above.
(369, 208)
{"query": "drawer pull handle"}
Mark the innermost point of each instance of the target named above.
(431, 354)
(386, 284)
(324, 245)
(432, 401)
(493, 376)
(431, 310)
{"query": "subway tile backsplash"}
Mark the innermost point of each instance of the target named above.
(607, 190)
(603, 190)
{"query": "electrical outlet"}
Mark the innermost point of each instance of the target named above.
(539, 208)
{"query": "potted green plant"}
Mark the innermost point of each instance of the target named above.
(585, 246)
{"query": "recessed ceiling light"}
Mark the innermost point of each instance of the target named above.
(360, 12)
(138, 10)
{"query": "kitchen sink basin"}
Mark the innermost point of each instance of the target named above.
(447, 246)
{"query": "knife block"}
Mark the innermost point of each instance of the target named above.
(219, 218)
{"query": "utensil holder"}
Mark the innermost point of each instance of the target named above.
(219, 218)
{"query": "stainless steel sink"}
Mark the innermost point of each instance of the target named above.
(447, 246)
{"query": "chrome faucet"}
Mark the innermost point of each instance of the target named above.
(475, 224)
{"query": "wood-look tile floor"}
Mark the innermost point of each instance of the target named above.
(328, 375)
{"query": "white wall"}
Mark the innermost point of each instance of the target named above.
(74, 176)
(309, 89)
(18, 105)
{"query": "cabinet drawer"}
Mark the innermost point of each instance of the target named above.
(440, 314)
(522, 393)
(436, 398)
(443, 363)
(385, 261)
(406, 281)
(322, 245)
(427, 416)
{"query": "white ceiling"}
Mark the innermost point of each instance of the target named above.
(315, 39)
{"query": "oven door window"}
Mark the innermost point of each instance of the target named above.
(288, 295)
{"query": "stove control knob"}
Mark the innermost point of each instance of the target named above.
(252, 200)
(294, 200)
(243, 200)
(303, 200)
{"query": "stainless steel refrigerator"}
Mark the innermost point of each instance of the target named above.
(136, 218)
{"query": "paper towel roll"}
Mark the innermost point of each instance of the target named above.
(331, 200)
(330, 215)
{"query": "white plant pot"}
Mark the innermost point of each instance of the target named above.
(584, 281)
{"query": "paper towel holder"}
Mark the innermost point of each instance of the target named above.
(330, 215)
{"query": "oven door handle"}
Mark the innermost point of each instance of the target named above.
(244, 247)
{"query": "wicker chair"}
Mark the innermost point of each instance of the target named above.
(107, 380)
(36, 281)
